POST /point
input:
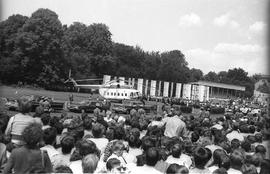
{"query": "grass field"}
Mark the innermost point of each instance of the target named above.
(13, 92)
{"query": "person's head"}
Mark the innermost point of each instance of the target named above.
(62, 169)
(237, 159)
(235, 126)
(109, 134)
(225, 162)
(151, 156)
(45, 118)
(201, 157)
(258, 137)
(134, 141)
(119, 133)
(32, 135)
(246, 146)
(67, 144)
(218, 155)
(256, 159)
(112, 163)
(248, 169)
(87, 123)
(146, 144)
(176, 150)
(235, 144)
(177, 169)
(88, 147)
(118, 148)
(4, 118)
(25, 104)
(220, 171)
(252, 129)
(89, 163)
(49, 136)
(194, 137)
(97, 130)
(260, 149)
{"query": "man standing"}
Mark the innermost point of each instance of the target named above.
(174, 126)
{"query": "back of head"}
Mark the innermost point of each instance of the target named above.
(246, 145)
(45, 118)
(89, 163)
(32, 135)
(97, 130)
(67, 144)
(176, 169)
(235, 144)
(218, 155)
(201, 157)
(237, 159)
(112, 163)
(134, 141)
(152, 156)
(25, 104)
(88, 147)
(146, 144)
(49, 136)
(176, 150)
(87, 123)
(62, 169)
(225, 162)
(260, 149)
(119, 133)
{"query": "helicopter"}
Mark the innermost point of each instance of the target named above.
(116, 89)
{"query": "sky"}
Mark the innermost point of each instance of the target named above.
(214, 35)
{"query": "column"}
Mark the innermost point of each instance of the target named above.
(166, 89)
(186, 91)
(153, 88)
(159, 88)
(146, 87)
(140, 85)
(178, 90)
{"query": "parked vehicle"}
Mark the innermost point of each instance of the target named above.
(89, 106)
(127, 105)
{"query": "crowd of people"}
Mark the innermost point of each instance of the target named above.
(105, 142)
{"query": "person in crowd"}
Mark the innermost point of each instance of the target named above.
(87, 124)
(29, 157)
(62, 169)
(235, 133)
(201, 157)
(237, 160)
(178, 157)
(177, 169)
(99, 139)
(20, 121)
(174, 126)
(45, 118)
(49, 138)
(89, 163)
(67, 146)
(112, 165)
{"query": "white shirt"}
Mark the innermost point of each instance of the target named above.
(174, 126)
(101, 143)
(142, 169)
(52, 153)
(235, 135)
(183, 160)
(76, 167)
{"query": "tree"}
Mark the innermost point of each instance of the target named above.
(195, 75)
(222, 77)
(38, 49)
(173, 67)
(9, 66)
(211, 76)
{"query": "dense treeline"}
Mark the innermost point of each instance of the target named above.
(39, 50)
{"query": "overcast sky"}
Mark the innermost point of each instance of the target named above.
(214, 35)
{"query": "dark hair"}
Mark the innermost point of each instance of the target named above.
(134, 141)
(246, 145)
(32, 135)
(194, 137)
(252, 129)
(119, 133)
(49, 135)
(176, 150)
(225, 162)
(45, 118)
(111, 163)
(258, 137)
(67, 143)
(176, 169)
(55, 122)
(237, 159)
(151, 156)
(201, 157)
(265, 166)
(88, 147)
(87, 123)
(97, 130)
(146, 144)
(235, 144)
(218, 155)
(63, 169)
(110, 134)
(260, 149)
(4, 118)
